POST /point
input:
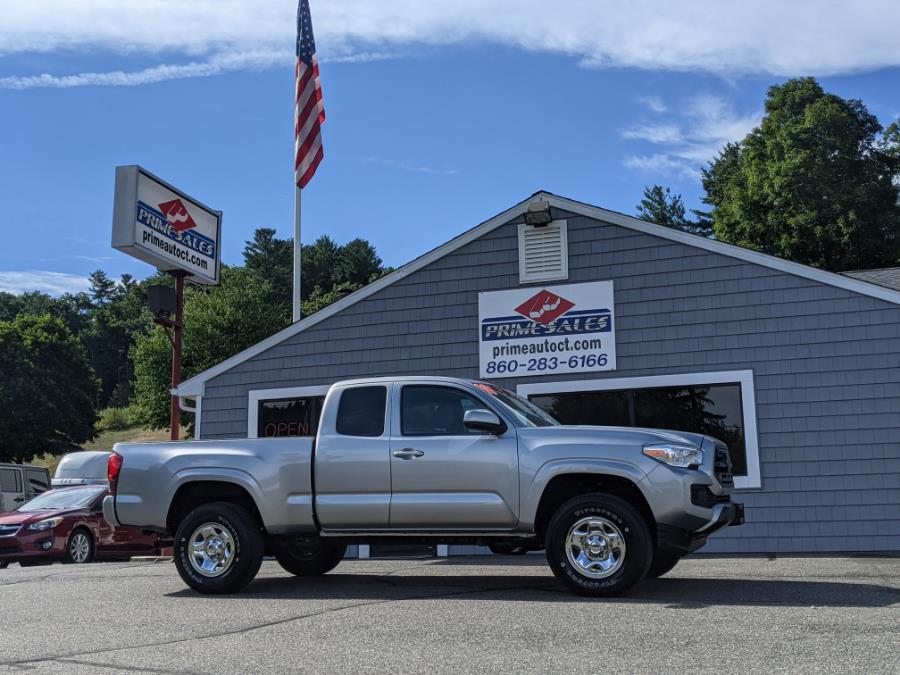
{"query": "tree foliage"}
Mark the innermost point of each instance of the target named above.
(48, 390)
(816, 182)
(661, 206)
(218, 323)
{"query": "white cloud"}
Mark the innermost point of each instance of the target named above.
(196, 38)
(653, 103)
(660, 164)
(406, 165)
(654, 133)
(699, 130)
(54, 283)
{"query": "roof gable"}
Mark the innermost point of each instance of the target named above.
(194, 386)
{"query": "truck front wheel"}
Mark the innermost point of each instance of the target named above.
(598, 545)
(309, 561)
(218, 548)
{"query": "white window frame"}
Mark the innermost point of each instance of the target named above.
(524, 278)
(743, 377)
(254, 396)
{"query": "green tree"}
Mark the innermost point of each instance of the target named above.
(218, 323)
(47, 389)
(111, 333)
(103, 289)
(661, 206)
(271, 260)
(816, 182)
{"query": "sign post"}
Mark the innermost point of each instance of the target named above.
(161, 225)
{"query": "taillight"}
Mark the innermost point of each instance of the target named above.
(113, 467)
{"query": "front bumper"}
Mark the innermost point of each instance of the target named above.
(32, 546)
(725, 514)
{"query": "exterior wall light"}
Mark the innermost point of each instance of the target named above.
(538, 213)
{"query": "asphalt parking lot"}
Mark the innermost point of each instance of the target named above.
(490, 615)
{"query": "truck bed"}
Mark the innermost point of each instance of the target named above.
(276, 473)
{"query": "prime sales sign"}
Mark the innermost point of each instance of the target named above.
(161, 225)
(545, 331)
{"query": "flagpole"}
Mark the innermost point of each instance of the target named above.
(297, 244)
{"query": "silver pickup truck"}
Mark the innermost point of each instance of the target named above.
(436, 460)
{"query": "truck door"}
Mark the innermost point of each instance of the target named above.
(444, 476)
(11, 489)
(352, 459)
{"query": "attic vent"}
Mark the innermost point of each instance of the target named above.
(543, 252)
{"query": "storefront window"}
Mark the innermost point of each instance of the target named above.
(712, 409)
(289, 417)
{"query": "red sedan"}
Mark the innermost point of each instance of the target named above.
(67, 524)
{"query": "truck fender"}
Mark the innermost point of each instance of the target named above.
(220, 475)
(532, 493)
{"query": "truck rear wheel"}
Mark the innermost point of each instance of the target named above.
(598, 545)
(309, 561)
(663, 561)
(218, 548)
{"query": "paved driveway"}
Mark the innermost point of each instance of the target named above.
(486, 615)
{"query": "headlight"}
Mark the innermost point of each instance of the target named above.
(684, 456)
(42, 525)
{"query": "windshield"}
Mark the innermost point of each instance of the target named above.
(63, 499)
(526, 412)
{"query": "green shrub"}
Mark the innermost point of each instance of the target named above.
(114, 419)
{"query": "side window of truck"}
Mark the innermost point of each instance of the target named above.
(427, 410)
(37, 481)
(9, 480)
(361, 411)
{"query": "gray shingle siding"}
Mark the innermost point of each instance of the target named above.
(825, 362)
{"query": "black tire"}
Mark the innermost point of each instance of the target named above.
(309, 561)
(246, 547)
(663, 561)
(623, 517)
(79, 548)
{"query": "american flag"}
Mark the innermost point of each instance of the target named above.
(308, 106)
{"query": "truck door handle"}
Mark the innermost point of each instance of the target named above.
(407, 453)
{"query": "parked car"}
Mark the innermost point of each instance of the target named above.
(67, 525)
(21, 482)
(429, 459)
(87, 467)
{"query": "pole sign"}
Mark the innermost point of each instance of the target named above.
(547, 331)
(161, 225)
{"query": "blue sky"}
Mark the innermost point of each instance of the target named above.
(435, 122)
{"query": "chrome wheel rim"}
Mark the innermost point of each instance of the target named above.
(211, 550)
(595, 547)
(79, 548)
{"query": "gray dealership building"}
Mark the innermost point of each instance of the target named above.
(602, 318)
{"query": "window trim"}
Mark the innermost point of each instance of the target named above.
(254, 396)
(744, 378)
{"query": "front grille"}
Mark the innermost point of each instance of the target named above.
(9, 530)
(722, 467)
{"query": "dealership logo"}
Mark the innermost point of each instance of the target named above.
(547, 314)
(544, 307)
(177, 215)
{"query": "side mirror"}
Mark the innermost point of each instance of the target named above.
(484, 420)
